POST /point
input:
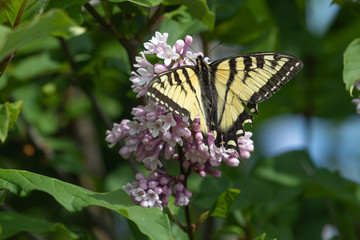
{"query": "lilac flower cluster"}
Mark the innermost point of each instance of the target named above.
(155, 132)
(154, 192)
(173, 57)
(357, 100)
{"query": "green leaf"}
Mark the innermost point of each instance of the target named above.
(33, 66)
(46, 122)
(14, 223)
(145, 3)
(55, 22)
(351, 73)
(180, 23)
(278, 177)
(223, 203)
(150, 221)
(332, 185)
(71, 7)
(9, 112)
(12, 10)
(4, 122)
(14, 110)
(352, 5)
(244, 28)
(262, 237)
(199, 9)
(32, 8)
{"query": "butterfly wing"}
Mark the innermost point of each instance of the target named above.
(241, 82)
(179, 90)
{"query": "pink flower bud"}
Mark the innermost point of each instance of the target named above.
(124, 152)
(234, 162)
(179, 186)
(179, 45)
(143, 184)
(199, 136)
(158, 190)
(153, 176)
(186, 164)
(164, 180)
(188, 39)
(144, 203)
(159, 68)
(153, 184)
(139, 176)
(202, 173)
(187, 193)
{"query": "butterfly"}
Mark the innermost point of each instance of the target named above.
(225, 93)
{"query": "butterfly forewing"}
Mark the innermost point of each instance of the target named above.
(179, 90)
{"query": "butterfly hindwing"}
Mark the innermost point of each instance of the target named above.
(179, 90)
(243, 81)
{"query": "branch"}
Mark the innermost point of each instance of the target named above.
(176, 221)
(190, 228)
(131, 45)
(150, 22)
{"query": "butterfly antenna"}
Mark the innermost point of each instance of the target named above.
(190, 47)
(215, 47)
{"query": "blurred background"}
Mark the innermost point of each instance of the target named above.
(302, 181)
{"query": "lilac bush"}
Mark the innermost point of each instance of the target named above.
(155, 134)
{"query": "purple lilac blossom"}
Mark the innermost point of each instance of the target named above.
(357, 100)
(155, 132)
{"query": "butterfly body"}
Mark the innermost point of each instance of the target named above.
(224, 93)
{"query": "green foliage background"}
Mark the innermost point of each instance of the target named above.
(65, 69)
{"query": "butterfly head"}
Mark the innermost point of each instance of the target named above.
(201, 64)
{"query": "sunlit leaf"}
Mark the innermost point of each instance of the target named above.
(31, 9)
(180, 23)
(223, 203)
(261, 237)
(244, 21)
(55, 22)
(150, 221)
(12, 9)
(71, 7)
(9, 112)
(4, 122)
(14, 223)
(199, 9)
(351, 73)
(14, 110)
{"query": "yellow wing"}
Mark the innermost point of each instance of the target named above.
(243, 81)
(179, 90)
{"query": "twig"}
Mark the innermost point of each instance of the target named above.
(131, 45)
(152, 20)
(19, 15)
(190, 228)
(5, 62)
(176, 221)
